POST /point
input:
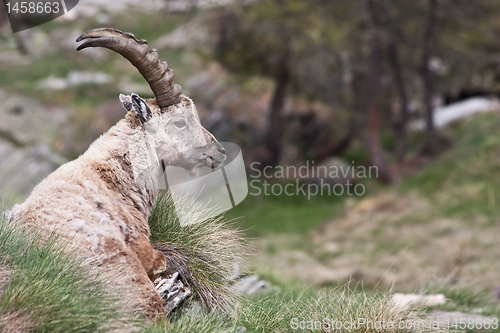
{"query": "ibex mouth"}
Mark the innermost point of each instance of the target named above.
(219, 160)
(214, 162)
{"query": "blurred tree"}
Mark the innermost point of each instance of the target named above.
(375, 152)
(427, 75)
(393, 41)
(434, 142)
(260, 42)
(292, 42)
(376, 56)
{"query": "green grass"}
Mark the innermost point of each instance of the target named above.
(299, 311)
(464, 182)
(50, 290)
(260, 215)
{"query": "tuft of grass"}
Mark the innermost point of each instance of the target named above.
(316, 311)
(322, 311)
(196, 322)
(50, 291)
(203, 251)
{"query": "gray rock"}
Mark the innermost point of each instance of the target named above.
(453, 319)
(250, 285)
(73, 79)
(26, 122)
(243, 285)
(21, 169)
(409, 300)
(29, 134)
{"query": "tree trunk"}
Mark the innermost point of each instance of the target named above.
(375, 152)
(276, 122)
(431, 145)
(400, 126)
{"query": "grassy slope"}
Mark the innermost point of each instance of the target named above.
(442, 239)
(265, 215)
(462, 183)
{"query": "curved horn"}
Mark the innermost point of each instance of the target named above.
(156, 73)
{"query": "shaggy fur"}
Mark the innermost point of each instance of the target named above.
(100, 202)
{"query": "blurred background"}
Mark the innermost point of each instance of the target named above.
(408, 87)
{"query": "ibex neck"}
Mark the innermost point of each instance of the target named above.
(125, 160)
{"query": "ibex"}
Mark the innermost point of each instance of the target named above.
(100, 202)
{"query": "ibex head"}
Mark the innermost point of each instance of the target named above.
(170, 120)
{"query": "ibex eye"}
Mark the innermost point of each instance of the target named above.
(179, 123)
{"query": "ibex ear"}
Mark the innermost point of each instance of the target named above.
(141, 108)
(126, 101)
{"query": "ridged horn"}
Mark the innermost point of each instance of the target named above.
(157, 74)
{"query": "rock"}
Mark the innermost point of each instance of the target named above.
(251, 285)
(245, 283)
(452, 319)
(29, 135)
(26, 122)
(195, 310)
(236, 272)
(194, 33)
(449, 114)
(185, 6)
(259, 287)
(73, 79)
(410, 300)
(21, 169)
(91, 8)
